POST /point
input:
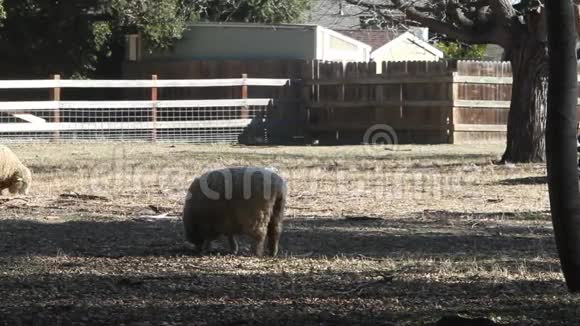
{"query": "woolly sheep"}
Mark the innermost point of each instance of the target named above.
(14, 176)
(235, 201)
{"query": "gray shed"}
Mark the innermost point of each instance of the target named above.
(241, 41)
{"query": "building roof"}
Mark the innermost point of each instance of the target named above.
(413, 39)
(373, 37)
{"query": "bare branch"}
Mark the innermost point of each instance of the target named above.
(376, 6)
(455, 12)
(483, 14)
(467, 35)
(469, 21)
(502, 9)
(368, 5)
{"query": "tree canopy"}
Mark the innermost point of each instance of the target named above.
(469, 21)
(252, 11)
(2, 12)
(78, 38)
(461, 51)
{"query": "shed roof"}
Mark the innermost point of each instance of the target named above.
(412, 38)
(373, 37)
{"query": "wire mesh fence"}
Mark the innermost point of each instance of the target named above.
(191, 121)
(194, 136)
(175, 124)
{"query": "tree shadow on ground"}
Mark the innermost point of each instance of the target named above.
(442, 235)
(524, 181)
(316, 298)
(97, 272)
(383, 238)
(435, 216)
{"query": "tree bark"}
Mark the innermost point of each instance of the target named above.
(561, 139)
(527, 114)
(524, 40)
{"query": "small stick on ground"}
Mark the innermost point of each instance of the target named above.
(371, 258)
(84, 196)
(386, 278)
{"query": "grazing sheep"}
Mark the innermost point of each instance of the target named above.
(234, 201)
(14, 176)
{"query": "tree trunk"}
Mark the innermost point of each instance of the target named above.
(527, 114)
(561, 139)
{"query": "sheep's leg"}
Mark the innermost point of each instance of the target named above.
(233, 244)
(206, 247)
(258, 245)
(275, 225)
(274, 231)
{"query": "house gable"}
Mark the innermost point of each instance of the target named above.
(341, 45)
(411, 40)
(376, 38)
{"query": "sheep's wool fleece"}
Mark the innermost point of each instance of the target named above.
(9, 163)
(259, 184)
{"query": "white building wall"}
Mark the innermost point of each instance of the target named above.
(338, 47)
(242, 41)
(259, 41)
(406, 47)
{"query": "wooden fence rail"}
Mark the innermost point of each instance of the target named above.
(424, 102)
(177, 120)
(144, 83)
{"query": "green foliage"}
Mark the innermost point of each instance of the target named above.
(101, 34)
(40, 34)
(81, 38)
(158, 22)
(252, 11)
(2, 12)
(461, 51)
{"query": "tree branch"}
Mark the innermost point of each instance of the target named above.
(483, 14)
(467, 35)
(473, 22)
(376, 6)
(502, 10)
(368, 5)
(457, 15)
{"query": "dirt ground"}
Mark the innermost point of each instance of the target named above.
(374, 235)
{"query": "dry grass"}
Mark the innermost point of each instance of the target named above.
(373, 236)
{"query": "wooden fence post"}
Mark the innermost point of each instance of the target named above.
(401, 99)
(154, 109)
(453, 94)
(307, 97)
(244, 95)
(54, 95)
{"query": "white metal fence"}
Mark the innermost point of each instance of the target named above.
(194, 121)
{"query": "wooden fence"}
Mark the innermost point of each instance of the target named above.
(211, 69)
(425, 102)
(412, 98)
(191, 120)
(481, 93)
(457, 102)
